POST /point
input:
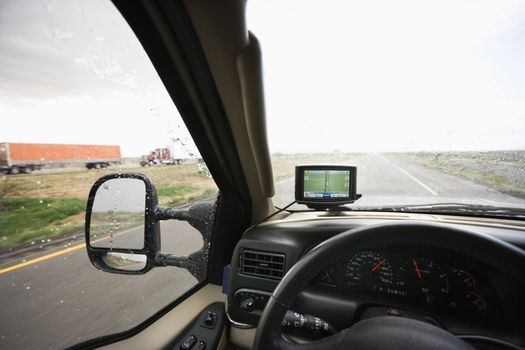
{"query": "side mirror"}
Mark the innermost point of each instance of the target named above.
(123, 230)
(122, 235)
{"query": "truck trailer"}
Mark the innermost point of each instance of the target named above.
(25, 157)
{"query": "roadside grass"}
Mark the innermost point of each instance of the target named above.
(24, 220)
(503, 171)
(39, 207)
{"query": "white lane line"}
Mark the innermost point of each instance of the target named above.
(416, 180)
(488, 201)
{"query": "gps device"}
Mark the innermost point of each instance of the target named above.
(325, 186)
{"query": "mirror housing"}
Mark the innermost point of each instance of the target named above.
(123, 200)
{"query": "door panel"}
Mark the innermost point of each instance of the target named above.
(162, 332)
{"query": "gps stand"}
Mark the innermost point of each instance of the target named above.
(325, 187)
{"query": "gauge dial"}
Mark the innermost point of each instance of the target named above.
(423, 279)
(464, 279)
(327, 276)
(368, 269)
(476, 302)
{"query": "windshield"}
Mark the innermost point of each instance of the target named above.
(425, 98)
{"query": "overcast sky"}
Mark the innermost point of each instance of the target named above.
(393, 75)
(351, 75)
(73, 72)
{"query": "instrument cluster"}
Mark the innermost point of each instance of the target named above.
(423, 278)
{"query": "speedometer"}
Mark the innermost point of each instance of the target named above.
(368, 269)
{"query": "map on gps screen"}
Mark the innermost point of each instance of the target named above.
(326, 183)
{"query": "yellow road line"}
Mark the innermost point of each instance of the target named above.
(60, 252)
(42, 258)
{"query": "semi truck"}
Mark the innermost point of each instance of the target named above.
(170, 155)
(26, 157)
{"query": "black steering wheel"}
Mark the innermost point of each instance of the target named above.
(387, 332)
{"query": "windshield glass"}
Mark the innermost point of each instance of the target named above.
(425, 98)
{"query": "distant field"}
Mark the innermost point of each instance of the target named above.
(501, 170)
(38, 207)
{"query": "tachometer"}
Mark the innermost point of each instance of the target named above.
(369, 269)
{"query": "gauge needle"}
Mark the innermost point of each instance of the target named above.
(417, 268)
(378, 265)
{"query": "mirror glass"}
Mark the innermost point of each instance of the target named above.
(125, 261)
(118, 213)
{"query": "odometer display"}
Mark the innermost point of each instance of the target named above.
(368, 269)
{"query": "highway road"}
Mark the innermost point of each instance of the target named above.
(59, 299)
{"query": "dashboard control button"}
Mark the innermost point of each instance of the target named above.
(247, 304)
(200, 346)
(188, 343)
(209, 320)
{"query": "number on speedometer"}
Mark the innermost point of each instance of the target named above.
(368, 269)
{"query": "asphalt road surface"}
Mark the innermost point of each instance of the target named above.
(62, 299)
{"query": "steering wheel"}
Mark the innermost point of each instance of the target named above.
(386, 332)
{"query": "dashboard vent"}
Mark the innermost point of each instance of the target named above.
(263, 264)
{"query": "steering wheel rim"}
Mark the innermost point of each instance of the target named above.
(493, 251)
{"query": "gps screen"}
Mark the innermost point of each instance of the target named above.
(326, 183)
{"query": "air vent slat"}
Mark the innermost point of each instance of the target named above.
(262, 264)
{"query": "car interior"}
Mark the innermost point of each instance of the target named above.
(318, 278)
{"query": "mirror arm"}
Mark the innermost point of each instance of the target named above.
(193, 263)
(171, 213)
(171, 260)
